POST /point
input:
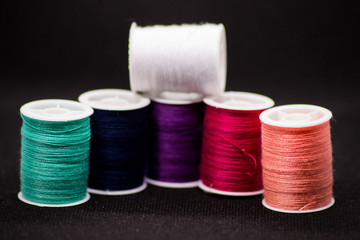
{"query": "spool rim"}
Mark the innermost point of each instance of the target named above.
(130, 100)
(296, 116)
(208, 189)
(23, 199)
(142, 187)
(303, 211)
(130, 57)
(222, 59)
(250, 101)
(158, 183)
(56, 110)
(176, 98)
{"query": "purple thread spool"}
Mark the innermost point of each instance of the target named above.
(176, 122)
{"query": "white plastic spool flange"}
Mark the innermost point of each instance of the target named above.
(115, 100)
(55, 110)
(175, 98)
(241, 101)
(21, 197)
(296, 116)
(164, 184)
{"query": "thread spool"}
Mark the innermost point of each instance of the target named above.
(119, 144)
(297, 158)
(184, 58)
(231, 152)
(175, 138)
(54, 153)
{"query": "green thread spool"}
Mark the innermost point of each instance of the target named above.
(55, 153)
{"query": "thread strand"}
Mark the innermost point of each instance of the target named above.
(231, 156)
(54, 160)
(297, 167)
(176, 132)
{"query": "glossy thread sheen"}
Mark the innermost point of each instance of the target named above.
(119, 149)
(231, 155)
(54, 160)
(297, 167)
(175, 141)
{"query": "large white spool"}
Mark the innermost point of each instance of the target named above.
(186, 58)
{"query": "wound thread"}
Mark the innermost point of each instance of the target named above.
(175, 144)
(118, 149)
(231, 152)
(187, 58)
(119, 142)
(297, 159)
(54, 153)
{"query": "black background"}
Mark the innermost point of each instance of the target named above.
(291, 51)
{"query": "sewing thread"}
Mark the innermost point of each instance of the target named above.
(297, 159)
(118, 149)
(54, 153)
(175, 144)
(187, 58)
(231, 152)
(119, 143)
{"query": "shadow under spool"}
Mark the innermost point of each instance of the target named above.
(297, 158)
(231, 152)
(119, 143)
(176, 120)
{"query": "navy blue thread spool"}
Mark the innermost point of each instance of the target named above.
(176, 120)
(119, 142)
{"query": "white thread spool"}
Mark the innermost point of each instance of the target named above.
(296, 116)
(115, 100)
(175, 98)
(187, 58)
(241, 101)
(56, 110)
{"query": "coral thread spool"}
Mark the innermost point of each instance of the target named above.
(119, 144)
(176, 120)
(55, 161)
(297, 158)
(231, 152)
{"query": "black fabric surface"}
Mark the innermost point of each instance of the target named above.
(292, 52)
